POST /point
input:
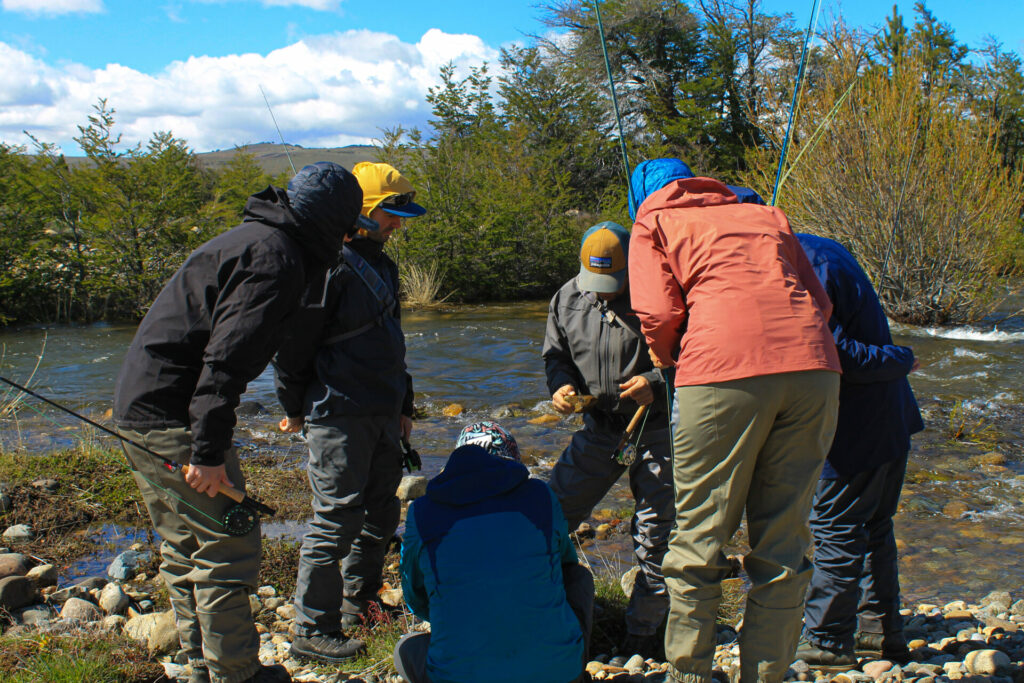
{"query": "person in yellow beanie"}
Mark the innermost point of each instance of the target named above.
(342, 379)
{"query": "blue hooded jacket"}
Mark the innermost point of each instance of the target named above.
(482, 560)
(877, 409)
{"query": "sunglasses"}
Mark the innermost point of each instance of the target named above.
(399, 199)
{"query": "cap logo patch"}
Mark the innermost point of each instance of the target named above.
(602, 262)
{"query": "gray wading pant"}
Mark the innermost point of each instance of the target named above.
(582, 477)
(209, 574)
(755, 445)
(856, 578)
(355, 466)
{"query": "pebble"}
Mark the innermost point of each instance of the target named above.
(113, 599)
(986, 662)
(18, 533)
(628, 580)
(411, 488)
(13, 564)
(878, 669)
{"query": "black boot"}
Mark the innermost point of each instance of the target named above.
(891, 646)
(270, 674)
(330, 648)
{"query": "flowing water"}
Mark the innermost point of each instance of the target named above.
(961, 524)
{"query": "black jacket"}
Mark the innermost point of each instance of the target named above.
(364, 374)
(218, 321)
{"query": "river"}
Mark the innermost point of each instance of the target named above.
(961, 524)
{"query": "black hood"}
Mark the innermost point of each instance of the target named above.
(325, 201)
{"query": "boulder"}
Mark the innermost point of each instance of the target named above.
(13, 564)
(411, 488)
(628, 580)
(81, 610)
(16, 592)
(19, 533)
(126, 565)
(43, 575)
(986, 662)
(113, 599)
(158, 631)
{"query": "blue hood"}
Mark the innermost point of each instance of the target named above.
(745, 195)
(650, 176)
(472, 474)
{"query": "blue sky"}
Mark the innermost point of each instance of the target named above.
(337, 71)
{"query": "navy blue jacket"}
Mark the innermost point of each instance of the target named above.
(482, 558)
(877, 409)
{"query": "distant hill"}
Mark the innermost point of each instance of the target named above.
(272, 158)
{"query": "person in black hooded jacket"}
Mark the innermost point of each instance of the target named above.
(212, 329)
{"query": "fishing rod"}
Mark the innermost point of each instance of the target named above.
(238, 520)
(279, 133)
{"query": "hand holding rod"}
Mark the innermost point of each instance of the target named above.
(234, 494)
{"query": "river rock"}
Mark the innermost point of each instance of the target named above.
(286, 612)
(545, 419)
(16, 592)
(628, 580)
(35, 615)
(47, 484)
(878, 669)
(986, 662)
(18, 533)
(13, 564)
(391, 597)
(453, 410)
(1000, 600)
(113, 599)
(602, 531)
(412, 487)
(80, 610)
(44, 575)
(158, 631)
(635, 664)
(126, 565)
(113, 623)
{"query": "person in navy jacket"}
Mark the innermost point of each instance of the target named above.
(854, 595)
(487, 560)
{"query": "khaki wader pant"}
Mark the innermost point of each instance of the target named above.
(209, 573)
(756, 445)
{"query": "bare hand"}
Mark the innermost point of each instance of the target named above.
(658, 363)
(405, 423)
(558, 399)
(207, 478)
(638, 389)
(291, 425)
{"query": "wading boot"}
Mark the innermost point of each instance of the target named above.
(200, 672)
(892, 647)
(329, 648)
(824, 656)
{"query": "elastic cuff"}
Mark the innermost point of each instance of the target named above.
(688, 676)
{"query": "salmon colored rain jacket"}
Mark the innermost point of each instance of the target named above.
(722, 287)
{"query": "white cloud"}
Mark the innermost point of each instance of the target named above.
(328, 90)
(52, 6)
(321, 5)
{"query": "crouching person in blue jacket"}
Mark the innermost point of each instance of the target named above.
(487, 560)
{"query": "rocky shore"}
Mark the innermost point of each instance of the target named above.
(980, 643)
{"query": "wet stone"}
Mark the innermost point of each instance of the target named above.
(126, 565)
(13, 564)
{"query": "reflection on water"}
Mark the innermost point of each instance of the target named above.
(960, 529)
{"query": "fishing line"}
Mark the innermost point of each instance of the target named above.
(615, 100)
(796, 99)
(279, 133)
(152, 483)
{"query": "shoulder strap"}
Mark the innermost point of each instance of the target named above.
(374, 282)
(608, 315)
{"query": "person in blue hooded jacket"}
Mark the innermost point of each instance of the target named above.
(483, 557)
(854, 595)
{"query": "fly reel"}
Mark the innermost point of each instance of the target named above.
(240, 519)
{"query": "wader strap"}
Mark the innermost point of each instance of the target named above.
(371, 279)
(608, 315)
(348, 335)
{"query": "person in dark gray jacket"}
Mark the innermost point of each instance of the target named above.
(343, 379)
(212, 329)
(593, 346)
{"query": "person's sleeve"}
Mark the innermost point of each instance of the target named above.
(559, 368)
(414, 590)
(867, 363)
(408, 406)
(295, 362)
(560, 533)
(247, 323)
(657, 296)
